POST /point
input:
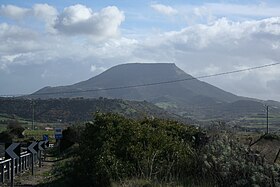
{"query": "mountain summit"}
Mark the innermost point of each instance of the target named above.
(176, 92)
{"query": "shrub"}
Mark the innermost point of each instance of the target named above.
(70, 136)
(230, 163)
(116, 148)
(6, 137)
(15, 128)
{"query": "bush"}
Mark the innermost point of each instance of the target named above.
(116, 148)
(6, 137)
(70, 136)
(15, 128)
(229, 163)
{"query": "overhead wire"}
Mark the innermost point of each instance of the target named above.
(152, 84)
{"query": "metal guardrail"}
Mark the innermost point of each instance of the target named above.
(10, 167)
(5, 169)
(19, 159)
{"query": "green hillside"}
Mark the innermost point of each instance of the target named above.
(79, 109)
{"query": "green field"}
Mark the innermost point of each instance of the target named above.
(38, 134)
(39, 128)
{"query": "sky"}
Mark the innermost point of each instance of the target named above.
(52, 43)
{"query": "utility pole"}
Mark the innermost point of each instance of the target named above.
(33, 115)
(266, 108)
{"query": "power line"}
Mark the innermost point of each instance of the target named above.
(157, 83)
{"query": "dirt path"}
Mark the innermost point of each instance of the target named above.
(41, 175)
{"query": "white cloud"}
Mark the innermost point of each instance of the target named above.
(244, 10)
(15, 40)
(210, 12)
(222, 46)
(95, 69)
(40, 11)
(75, 14)
(45, 12)
(74, 20)
(225, 35)
(13, 12)
(164, 9)
(79, 19)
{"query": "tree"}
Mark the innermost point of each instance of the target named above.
(6, 137)
(70, 136)
(15, 128)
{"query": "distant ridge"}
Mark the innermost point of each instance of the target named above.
(78, 109)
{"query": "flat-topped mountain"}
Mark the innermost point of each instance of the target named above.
(126, 75)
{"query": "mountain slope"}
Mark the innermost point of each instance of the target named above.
(186, 92)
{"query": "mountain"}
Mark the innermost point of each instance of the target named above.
(191, 91)
(159, 83)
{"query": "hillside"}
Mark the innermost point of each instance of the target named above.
(79, 109)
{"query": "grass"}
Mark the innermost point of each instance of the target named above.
(137, 182)
(38, 134)
(28, 133)
(2, 128)
(166, 105)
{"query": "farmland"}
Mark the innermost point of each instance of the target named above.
(40, 128)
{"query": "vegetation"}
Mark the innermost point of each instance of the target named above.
(38, 134)
(116, 151)
(228, 162)
(14, 130)
(6, 137)
(80, 109)
(114, 148)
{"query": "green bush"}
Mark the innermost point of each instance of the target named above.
(15, 128)
(114, 148)
(6, 137)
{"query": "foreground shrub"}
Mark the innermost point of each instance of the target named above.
(230, 163)
(120, 151)
(116, 148)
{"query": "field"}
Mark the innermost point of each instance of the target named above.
(38, 134)
(258, 123)
(39, 128)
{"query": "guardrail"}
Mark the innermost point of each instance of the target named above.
(11, 167)
(19, 159)
(5, 169)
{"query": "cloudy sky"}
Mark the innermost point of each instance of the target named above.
(63, 42)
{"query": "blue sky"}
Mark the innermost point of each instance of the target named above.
(51, 43)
